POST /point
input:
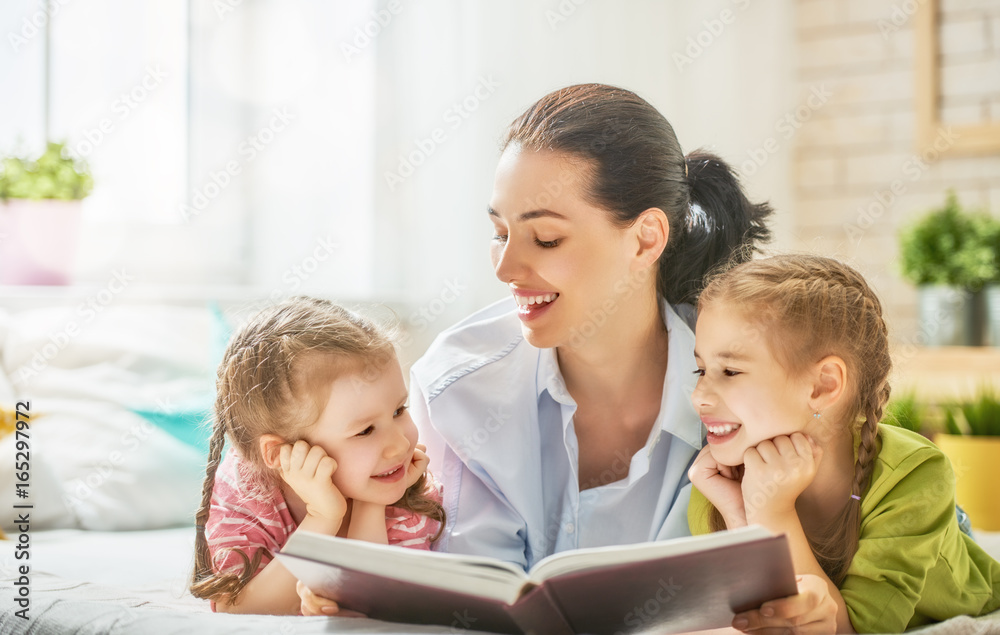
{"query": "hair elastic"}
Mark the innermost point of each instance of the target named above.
(855, 497)
(685, 168)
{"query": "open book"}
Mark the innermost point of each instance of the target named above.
(680, 585)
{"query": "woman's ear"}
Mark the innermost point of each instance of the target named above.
(270, 450)
(652, 231)
(829, 384)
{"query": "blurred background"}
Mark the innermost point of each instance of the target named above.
(347, 149)
(219, 155)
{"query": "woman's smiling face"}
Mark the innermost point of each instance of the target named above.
(561, 256)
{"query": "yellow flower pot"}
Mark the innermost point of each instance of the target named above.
(975, 460)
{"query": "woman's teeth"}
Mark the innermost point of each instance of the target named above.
(723, 430)
(525, 300)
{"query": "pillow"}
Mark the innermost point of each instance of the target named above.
(100, 382)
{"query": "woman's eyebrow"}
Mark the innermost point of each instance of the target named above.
(538, 213)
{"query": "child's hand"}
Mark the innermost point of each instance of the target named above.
(313, 604)
(418, 465)
(776, 472)
(812, 610)
(309, 471)
(721, 486)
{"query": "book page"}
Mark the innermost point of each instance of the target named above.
(583, 559)
(486, 577)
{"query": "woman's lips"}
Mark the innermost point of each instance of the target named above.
(532, 305)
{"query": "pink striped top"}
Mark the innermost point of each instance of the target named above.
(250, 519)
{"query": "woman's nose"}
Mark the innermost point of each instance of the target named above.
(507, 263)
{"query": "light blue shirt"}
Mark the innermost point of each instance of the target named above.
(497, 420)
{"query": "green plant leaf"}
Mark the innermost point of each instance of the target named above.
(951, 246)
(53, 175)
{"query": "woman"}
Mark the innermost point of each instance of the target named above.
(560, 418)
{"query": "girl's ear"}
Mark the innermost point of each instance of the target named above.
(652, 231)
(830, 382)
(270, 450)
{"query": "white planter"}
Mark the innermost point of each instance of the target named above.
(947, 316)
(38, 241)
(992, 302)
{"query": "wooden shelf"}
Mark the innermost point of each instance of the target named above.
(944, 373)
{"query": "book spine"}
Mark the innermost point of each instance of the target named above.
(538, 613)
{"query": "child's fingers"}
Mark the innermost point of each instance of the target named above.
(285, 457)
(311, 462)
(752, 459)
(299, 451)
(802, 445)
(811, 610)
(703, 465)
(422, 447)
(326, 467)
(784, 446)
(766, 450)
(313, 604)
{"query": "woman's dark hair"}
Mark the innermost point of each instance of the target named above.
(638, 164)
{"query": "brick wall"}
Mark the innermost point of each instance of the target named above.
(858, 173)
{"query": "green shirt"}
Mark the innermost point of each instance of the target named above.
(913, 565)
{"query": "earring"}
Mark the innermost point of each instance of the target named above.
(817, 414)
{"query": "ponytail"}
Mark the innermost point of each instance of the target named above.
(722, 227)
(637, 164)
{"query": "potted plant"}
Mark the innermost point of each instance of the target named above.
(947, 256)
(991, 293)
(972, 443)
(40, 216)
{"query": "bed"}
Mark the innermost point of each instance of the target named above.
(116, 465)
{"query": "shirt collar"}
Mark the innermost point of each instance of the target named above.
(677, 415)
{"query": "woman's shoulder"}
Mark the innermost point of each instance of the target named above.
(485, 337)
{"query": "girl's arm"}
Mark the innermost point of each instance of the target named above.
(272, 590)
(777, 471)
(309, 472)
(367, 522)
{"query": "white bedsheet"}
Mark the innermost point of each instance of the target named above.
(134, 583)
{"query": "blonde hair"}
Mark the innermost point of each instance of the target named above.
(268, 383)
(809, 307)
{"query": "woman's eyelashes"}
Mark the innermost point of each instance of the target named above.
(399, 411)
(366, 431)
(545, 244)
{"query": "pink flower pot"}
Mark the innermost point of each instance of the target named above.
(38, 241)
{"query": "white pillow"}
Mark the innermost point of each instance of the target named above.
(95, 464)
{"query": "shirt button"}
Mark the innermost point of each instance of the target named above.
(570, 528)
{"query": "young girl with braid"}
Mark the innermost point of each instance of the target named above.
(312, 402)
(793, 364)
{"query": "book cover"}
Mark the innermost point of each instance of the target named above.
(671, 586)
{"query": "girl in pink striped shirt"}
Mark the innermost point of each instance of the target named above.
(312, 402)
